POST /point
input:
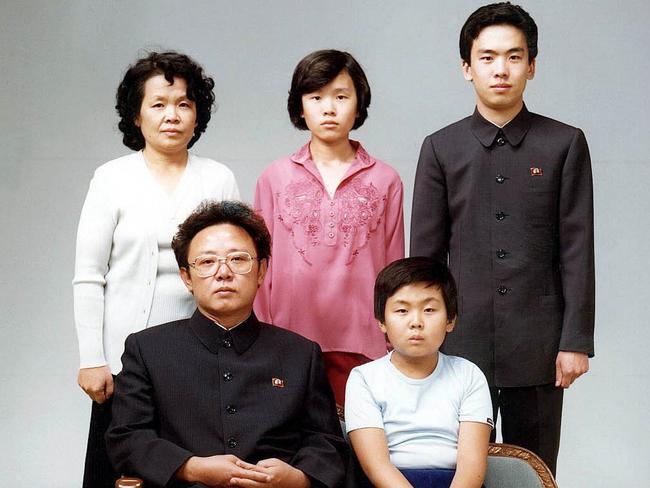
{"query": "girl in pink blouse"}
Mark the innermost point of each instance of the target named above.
(335, 216)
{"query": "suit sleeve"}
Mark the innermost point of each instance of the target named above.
(134, 446)
(323, 455)
(394, 223)
(264, 205)
(576, 236)
(430, 212)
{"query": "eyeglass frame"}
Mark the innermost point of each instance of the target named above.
(221, 260)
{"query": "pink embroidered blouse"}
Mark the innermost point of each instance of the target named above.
(327, 251)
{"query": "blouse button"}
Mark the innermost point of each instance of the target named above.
(331, 235)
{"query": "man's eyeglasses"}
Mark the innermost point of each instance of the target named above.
(239, 262)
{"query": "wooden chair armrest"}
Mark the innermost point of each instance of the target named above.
(129, 482)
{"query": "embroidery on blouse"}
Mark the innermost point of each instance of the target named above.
(358, 209)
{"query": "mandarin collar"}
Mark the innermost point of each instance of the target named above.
(303, 155)
(514, 131)
(214, 337)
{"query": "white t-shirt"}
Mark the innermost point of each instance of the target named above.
(420, 417)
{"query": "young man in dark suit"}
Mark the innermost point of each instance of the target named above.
(505, 196)
(221, 399)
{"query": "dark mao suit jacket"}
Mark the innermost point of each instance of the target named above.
(512, 211)
(191, 388)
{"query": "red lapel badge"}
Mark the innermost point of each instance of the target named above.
(277, 382)
(534, 171)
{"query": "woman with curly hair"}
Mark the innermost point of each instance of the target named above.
(126, 278)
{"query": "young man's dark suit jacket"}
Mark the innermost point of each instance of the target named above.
(191, 388)
(512, 210)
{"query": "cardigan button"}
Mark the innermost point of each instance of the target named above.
(227, 376)
(232, 443)
(501, 253)
(230, 409)
(503, 290)
(500, 179)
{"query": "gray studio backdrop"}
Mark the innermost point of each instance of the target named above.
(61, 62)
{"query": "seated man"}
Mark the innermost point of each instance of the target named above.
(221, 399)
(417, 408)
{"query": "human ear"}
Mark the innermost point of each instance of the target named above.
(531, 70)
(467, 70)
(261, 273)
(187, 279)
(450, 325)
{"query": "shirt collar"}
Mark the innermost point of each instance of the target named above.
(214, 337)
(514, 131)
(303, 155)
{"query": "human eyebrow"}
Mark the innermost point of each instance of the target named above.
(342, 89)
(420, 302)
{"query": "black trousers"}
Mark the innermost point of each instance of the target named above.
(98, 471)
(530, 417)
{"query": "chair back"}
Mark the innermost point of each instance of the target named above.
(515, 467)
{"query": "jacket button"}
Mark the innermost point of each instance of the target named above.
(227, 343)
(227, 376)
(232, 443)
(501, 253)
(500, 215)
(500, 179)
(502, 290)
(230, 409)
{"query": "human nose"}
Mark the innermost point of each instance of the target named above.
(328, 106)
(500, 67)
(416, 321)
(223, 271)
(171, 114)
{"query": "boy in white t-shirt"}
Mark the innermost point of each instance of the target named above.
(417, 408)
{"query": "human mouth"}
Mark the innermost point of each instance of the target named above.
(171, 132)
(330, 124)
(225, 291)
(501, 87)
(416, 338)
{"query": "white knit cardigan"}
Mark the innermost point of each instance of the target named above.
(117, 250)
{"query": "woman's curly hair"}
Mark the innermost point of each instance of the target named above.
(171, 65)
